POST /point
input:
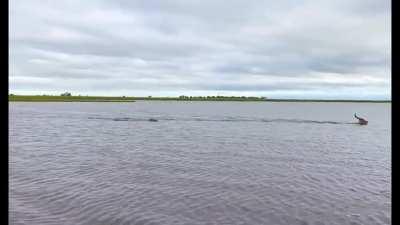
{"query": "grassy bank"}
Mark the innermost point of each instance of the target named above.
(201, 98)
(49, 98)
(52, 98)
(322, 100)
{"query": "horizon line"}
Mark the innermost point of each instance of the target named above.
(225, 96)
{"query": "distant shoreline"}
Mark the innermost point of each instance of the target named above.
(49, 98)
(324, 100)
(52, 98)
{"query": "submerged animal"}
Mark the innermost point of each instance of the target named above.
(152, 120)
(361, 121)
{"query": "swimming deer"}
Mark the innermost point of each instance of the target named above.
(361, 121)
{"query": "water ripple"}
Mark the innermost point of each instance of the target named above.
(81, 164)
(230, 119)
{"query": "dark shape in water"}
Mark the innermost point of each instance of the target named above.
(152, 120)
(121, 119)
(361, 121)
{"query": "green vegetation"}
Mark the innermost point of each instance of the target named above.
(323, 100)
(67, 97)
(202, 98)
(66, 94)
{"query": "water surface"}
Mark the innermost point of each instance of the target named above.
(200, 163)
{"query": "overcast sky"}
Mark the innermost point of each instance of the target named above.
(278, 49)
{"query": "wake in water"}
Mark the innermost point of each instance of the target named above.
(124, 119)
(230, 119)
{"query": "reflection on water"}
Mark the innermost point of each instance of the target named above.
(199, 163)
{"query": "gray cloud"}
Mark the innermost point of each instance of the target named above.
(183, 47)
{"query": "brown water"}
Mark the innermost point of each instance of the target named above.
(200, 163)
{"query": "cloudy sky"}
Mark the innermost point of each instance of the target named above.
(278, 49)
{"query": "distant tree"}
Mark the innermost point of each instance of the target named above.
(183, 97)
(149, 96)
(11, 94)
(66, 94)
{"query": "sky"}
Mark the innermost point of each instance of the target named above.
(320, 49)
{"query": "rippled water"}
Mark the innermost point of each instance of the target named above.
(199, 163)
